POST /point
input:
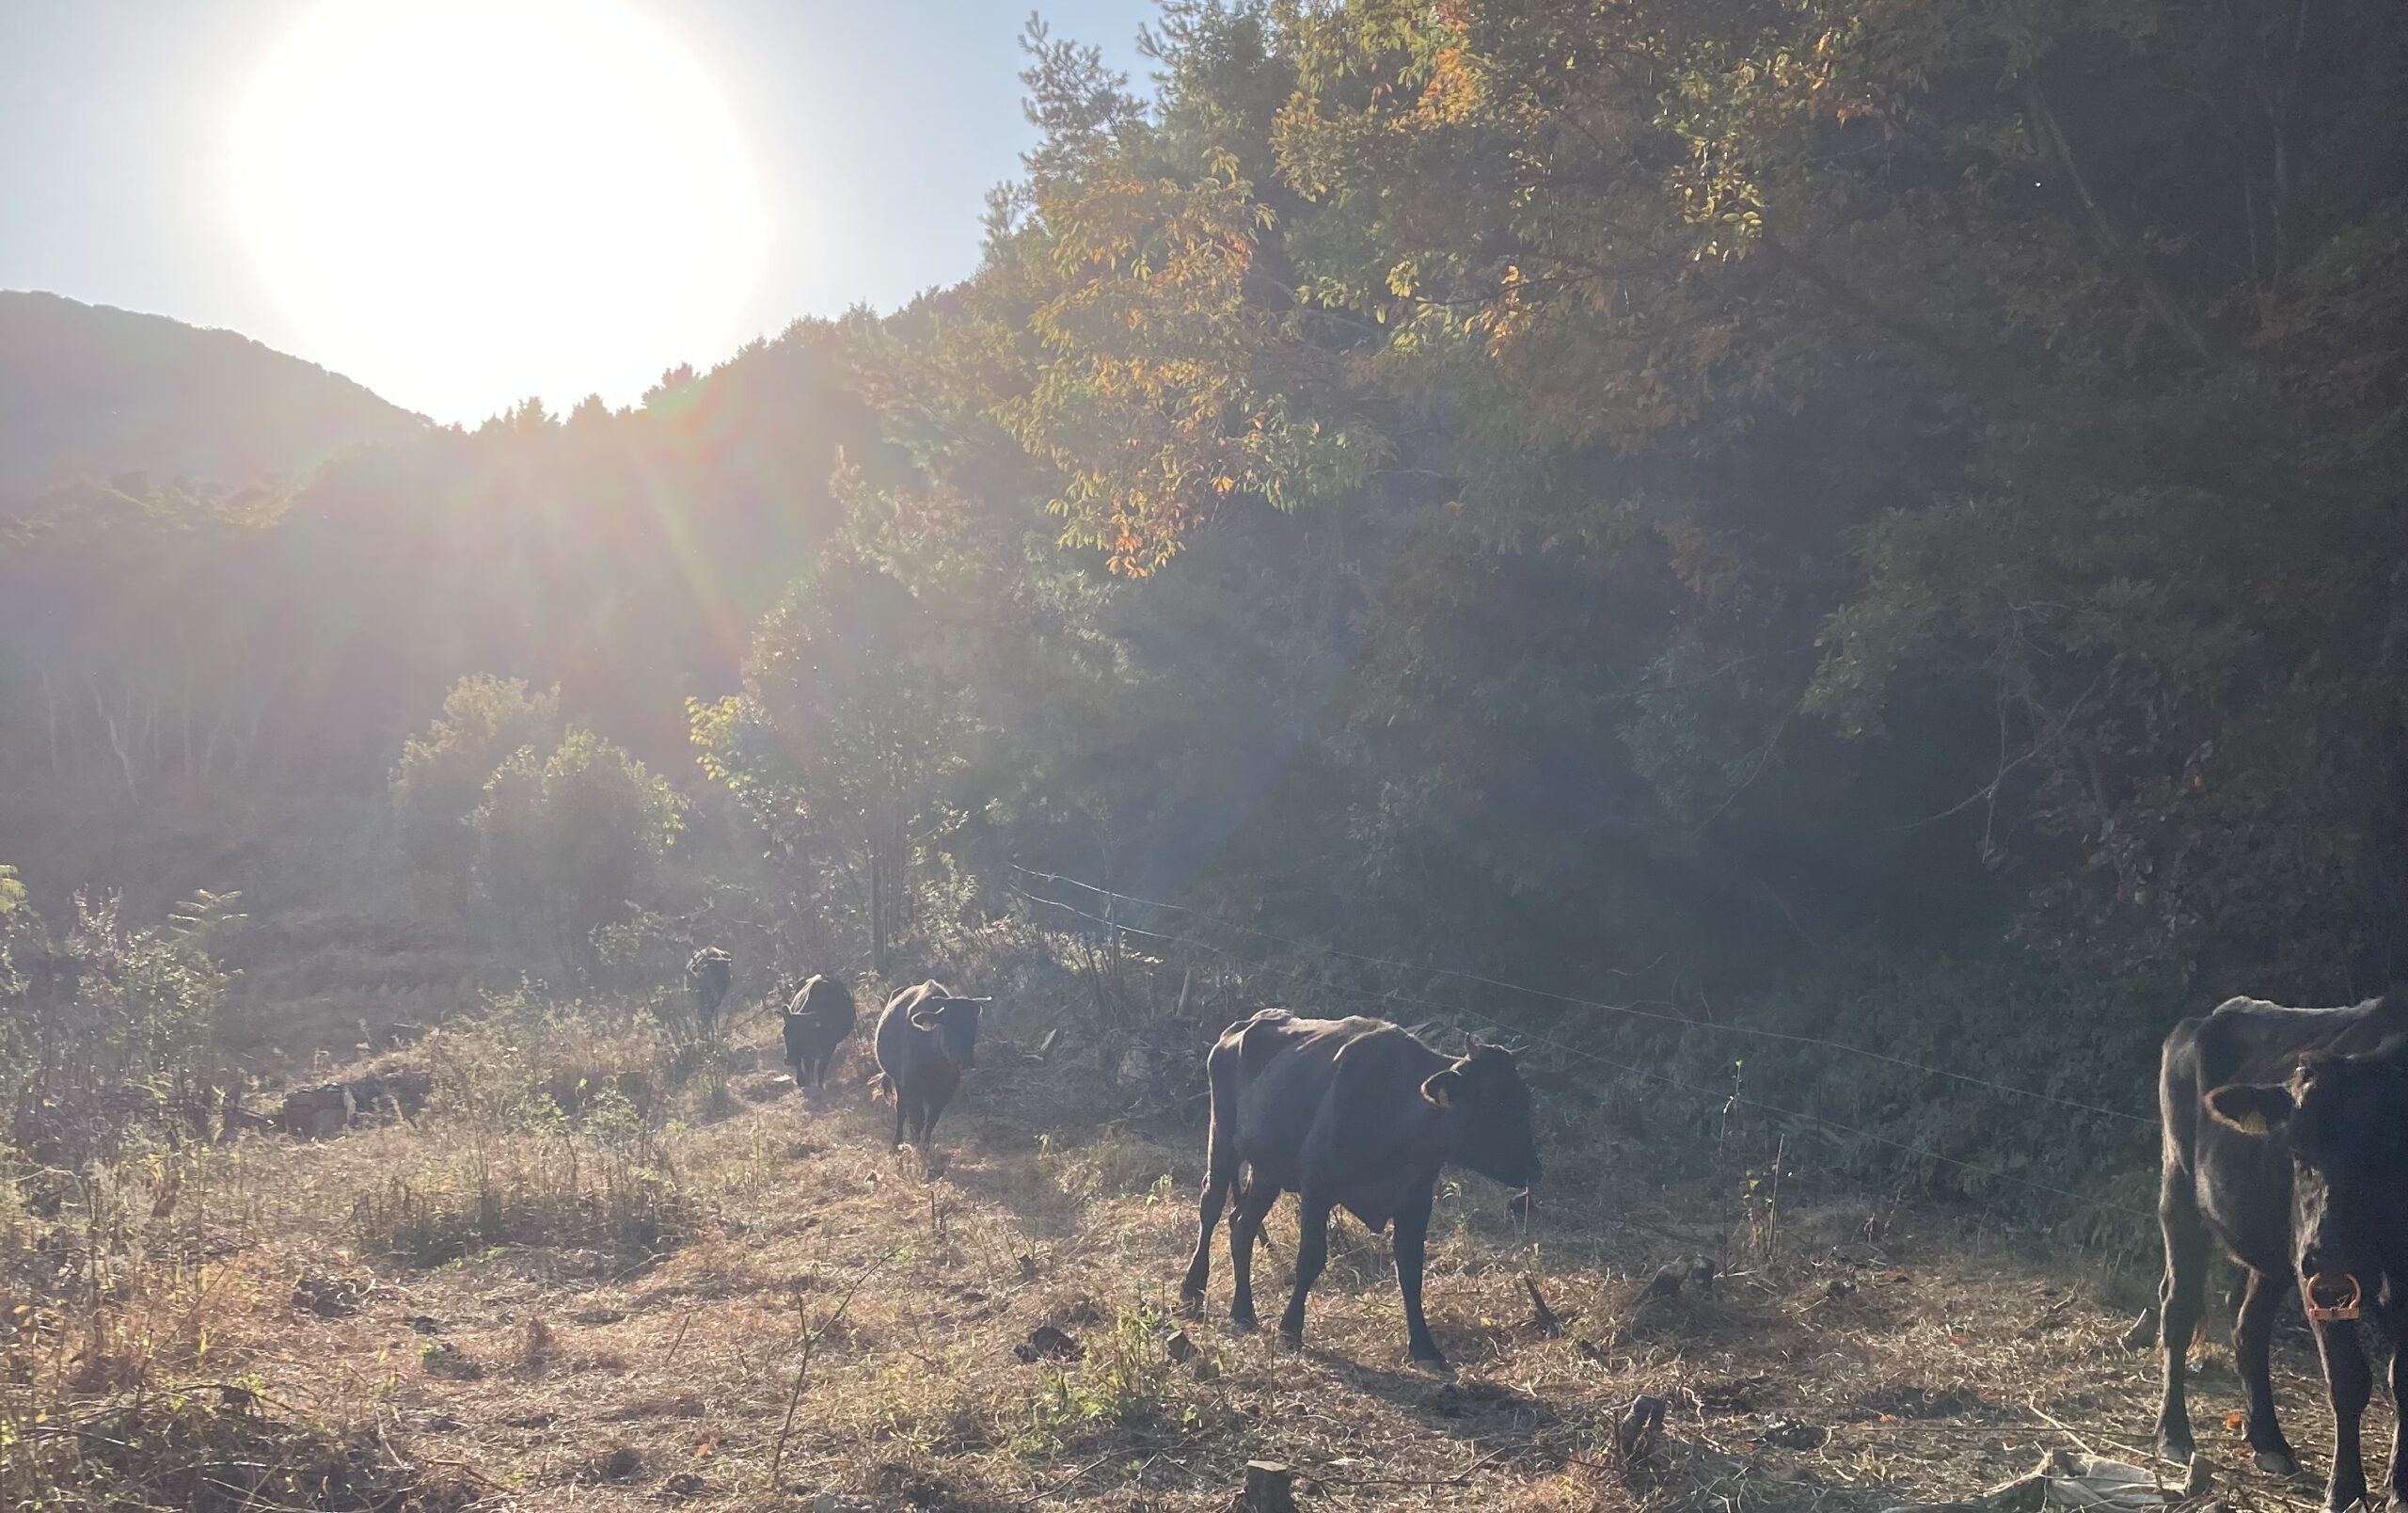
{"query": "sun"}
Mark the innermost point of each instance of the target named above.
(465, 202)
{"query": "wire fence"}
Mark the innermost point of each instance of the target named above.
(1727, 1098)
(1630, 1009)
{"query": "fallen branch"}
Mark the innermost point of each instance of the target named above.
(1460, 1478)
(1543, 1318)
(803, 1372)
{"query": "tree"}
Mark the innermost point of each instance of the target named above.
(444, 775)
(1759, 427)
(841, 741)
(566, 843)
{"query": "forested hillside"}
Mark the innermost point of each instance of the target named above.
(1880, 520)
(88, 391)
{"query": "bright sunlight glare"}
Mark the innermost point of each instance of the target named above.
(465, 202)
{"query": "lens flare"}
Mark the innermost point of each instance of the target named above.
(467, 202)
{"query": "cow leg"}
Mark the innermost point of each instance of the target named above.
(1245, 1223)
(901, 1105)
(1312, 1253)
(2348, 1382)
(2253, 1335)
(1208, 1214)
(1411, 1236)
(2179, 1300)
(2399, 1427)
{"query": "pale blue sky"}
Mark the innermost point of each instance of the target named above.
(876, 128)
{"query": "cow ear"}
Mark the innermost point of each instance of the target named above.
(924, 1019)
(2252, 1107)
(1440, 1090)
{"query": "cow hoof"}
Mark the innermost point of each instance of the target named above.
(2178, 1451)
(1191, 1304)
(2275, 1462)
(1433, 1363)
(1244, 1322)
(1294, 1339)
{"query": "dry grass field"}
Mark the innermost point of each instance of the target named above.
(744, 1302)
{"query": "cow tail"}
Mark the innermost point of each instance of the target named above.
(1222, 1069)
(881, 1087)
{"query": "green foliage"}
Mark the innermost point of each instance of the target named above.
(106, 1024)
(841, 742)
(566, 843)
(2006, 1018)
(12, 930)
(1124, 1377)
(1715, 382)
(443, 775)
(550, 829)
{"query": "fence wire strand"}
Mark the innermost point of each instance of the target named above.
(1726, 1098)
(1632, 1011)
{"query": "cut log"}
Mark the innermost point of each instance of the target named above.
(1638, 1430)
(1269, 1487)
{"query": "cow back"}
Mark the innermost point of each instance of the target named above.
(2242, 1184)
(827, 1005)
(902, 1049)
(823, 1014)
(1338, 1102)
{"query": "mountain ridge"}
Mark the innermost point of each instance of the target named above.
(97, 391)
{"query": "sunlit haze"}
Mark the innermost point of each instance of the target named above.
(464, 203)
(476, 199)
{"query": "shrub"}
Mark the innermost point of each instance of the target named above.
(107, 1024)
(563, 845)
(1124, 1377)
(442, 775)
(2058, 1130)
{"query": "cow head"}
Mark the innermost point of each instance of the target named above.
(1489, 1115)
(954, 1024)
(2344, 1119)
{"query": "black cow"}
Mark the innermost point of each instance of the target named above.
(708, 973)
(1351, 1113)
(2286, 1142)
(926, 1040)
(820, 1019)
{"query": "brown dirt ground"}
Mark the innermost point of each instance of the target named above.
(1868, 1357)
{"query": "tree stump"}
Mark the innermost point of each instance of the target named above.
(1269, 1487)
